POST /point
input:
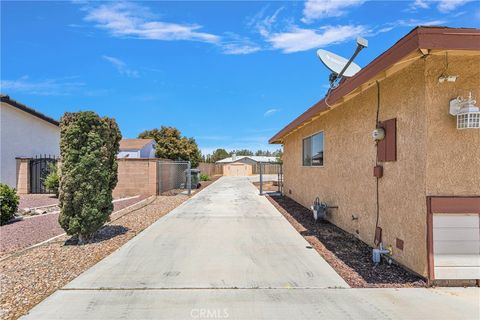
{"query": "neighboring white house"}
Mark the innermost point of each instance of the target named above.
(24, 133)
(137, 148)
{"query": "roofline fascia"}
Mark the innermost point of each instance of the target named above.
(418, 38)
(24, 108)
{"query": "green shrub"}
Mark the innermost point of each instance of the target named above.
(52, 180)
(88, 172)
(8, 203)
(204, 177)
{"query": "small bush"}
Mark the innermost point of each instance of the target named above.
(52, 181)
(204, 177)
(8, 203)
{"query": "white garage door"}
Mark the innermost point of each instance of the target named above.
(456, 246)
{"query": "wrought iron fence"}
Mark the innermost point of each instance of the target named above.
(174, 177)
(40, 168)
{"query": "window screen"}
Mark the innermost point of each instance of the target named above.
(313, 150)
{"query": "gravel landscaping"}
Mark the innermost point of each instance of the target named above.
(36, 200)
(349, 256)
(29, 231)
(32, 275)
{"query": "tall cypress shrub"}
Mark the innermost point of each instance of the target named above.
(88, 172)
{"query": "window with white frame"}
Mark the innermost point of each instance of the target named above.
(313, 150)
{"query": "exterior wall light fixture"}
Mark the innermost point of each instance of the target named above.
(467, 113)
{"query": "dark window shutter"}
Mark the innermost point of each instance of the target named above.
(387, 148)
(381, 147)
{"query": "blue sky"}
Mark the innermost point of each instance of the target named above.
(229, 74)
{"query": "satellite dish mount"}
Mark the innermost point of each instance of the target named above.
(340, 66)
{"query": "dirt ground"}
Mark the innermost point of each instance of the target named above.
(349, 256)
(268, 186)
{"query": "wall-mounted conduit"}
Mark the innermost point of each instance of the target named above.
(377, 241)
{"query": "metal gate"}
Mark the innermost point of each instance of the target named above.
(271, 175)
(174, 177)
(39, 170)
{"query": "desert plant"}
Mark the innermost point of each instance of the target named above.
(88, 172)
(8, 203)
(51, 181)
(204, 177)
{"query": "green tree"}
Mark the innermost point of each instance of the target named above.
(171, 145)
(88, 172)
(242, 152)
(278, 154)
(265, 153)
(219, 154)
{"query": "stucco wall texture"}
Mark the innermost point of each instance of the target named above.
(433, 157)
(453, 156)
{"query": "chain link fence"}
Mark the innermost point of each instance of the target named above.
(271, 177)
(174, 177)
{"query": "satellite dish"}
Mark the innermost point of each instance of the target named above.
(340, 66)
(336, 63)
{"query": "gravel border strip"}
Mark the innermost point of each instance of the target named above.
(129, 209)
(29, 278)
(352, 275)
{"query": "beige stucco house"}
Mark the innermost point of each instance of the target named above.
(417, 190)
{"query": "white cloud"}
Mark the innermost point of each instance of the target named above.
(443, 6)
(270, 112)
(126, 19)
(132, 20)
(263, 24)
(121, 67)
(420, 4)
(46, 87)
(238, 45)
(285, 35)
(450, 5)
(235, 48)
(317, 9)
(413, 23)
(298, 39)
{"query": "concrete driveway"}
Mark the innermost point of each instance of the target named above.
(228, 254)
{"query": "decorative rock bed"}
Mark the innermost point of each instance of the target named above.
(28, 277)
